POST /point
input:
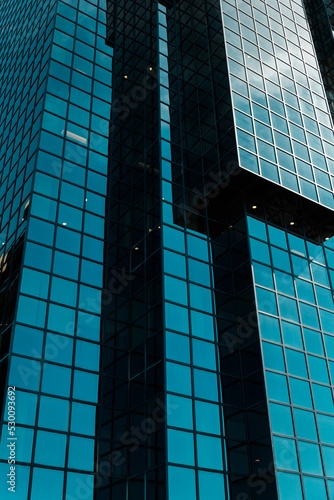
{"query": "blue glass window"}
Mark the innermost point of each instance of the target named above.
(56, 380)
(206, 385)
(313, 341)
(28, 341)
(50, 448)
(85, 386)
(211, 485)
(257, 228)
(181, 483)
(177, 347)
(173, 239)
(180, 447)
(296, 363)
(284, 283)
(77, 481)
(63, 291)
(31, 311)
(328, 454)
(178, 378)
(61, 319)
(66, 265)
(288, 308)
(285, 454)
(326, 425)
(309, 315)
(175, 263)
(204, 354)
(266, 301)
(323, 398)
(53, 413)
(310, 459)
(35, 283)
(281, 419)
(200, 298)
(179, 412)
(199, 272)
(260, 251)
(292, 335)
(209, 452)
(273, 357)
(43, 479)
(87, 355)
(81, 453)
(263, 275)
(83, 419)
(324, 297)
(305, 290)
(277, 387)
(202, 325)
(327, 320)
(318, 369)
(289, 486)
(305, 425)
(176, 290)
(24, 373)
(177, 318)
(269, 327)
(58, 348)
(207, 417)
(300, 393)
(314, 488)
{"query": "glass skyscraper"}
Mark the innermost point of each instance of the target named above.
(167, 250)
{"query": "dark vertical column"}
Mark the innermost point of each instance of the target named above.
(130, 424)
(321, 19)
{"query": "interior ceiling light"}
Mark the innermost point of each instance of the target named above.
(292, 223)
(254, 207)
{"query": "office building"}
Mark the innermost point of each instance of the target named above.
(167, 249)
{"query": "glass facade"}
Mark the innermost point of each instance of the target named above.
(166, 253)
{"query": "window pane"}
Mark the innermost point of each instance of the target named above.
(180, 447)
(181, 483)
(209, 452)
(211, 486)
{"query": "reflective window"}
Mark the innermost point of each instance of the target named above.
(209, 452)
(181, 483)
(81, 453)
(42, 479)
(310, 459)
(289, 486)
(53, 413)
(50, 448)
(179, 412)
(178, 378)
(211, 485)
(285, 454)
(180, 447)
